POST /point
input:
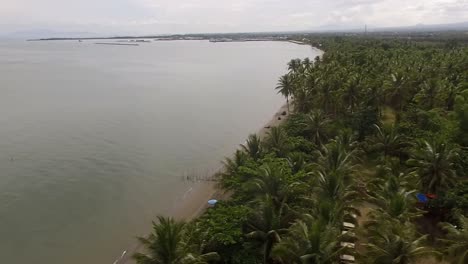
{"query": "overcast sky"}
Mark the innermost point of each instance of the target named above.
(188, 16)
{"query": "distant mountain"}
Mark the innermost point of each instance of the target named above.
(41, 33)
(336, 28)
(461, 26)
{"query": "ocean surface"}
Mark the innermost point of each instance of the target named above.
(95, 140)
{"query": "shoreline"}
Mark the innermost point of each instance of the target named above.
(195, 201)
(145, 39)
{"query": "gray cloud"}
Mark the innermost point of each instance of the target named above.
(184, 16)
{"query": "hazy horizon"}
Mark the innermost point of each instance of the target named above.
(143, 17)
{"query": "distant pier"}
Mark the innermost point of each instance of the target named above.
(117, 44)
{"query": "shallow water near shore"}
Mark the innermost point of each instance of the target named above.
(95, 139)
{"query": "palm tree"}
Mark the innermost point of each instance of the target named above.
(317, 60)
(457, 241)
(196, 240)
(307, 63)
(312, 83)
(395, 248)
(388, 141)
(429, 92)
(389, 180)
(302, 100)
(268, 222)
(164, 245)
(253, 146)
(398, 206)
(434, 164)
(334, 212)
(277, 141)
(388, 192)
(454, 90)
(174, 242)
(332, 199)
(295, 65)
(271, 180)
(316, 123)
(375, 96)
(309, 241)
(397, 89)
(286, 87)
(346, 139)
(337, 158)
(296, 161)
(326, 96)
(231, 169)
(351, 91)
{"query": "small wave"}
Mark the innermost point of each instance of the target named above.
(121, 257)
(187, 193)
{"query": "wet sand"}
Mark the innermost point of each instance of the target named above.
(195, 201)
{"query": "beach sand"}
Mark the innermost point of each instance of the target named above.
(195, 201)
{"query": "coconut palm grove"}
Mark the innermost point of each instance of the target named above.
(370, 165)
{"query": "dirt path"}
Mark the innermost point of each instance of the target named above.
(388, 116)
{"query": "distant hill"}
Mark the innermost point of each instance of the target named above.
(461, 26)
(332, 28)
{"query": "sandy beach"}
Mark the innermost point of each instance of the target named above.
(195, 201)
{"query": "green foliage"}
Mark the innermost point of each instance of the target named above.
(461, 109)
(309, 242)
(164, 244)
(363, 120)
(268, 223)
(401, 247)
(235, 170)
(296, 125)
(277, 141)
(253, 147)
(302, 145)
(387, 142)
(225, 223)
(174, 242)
(316, 127)
(286, 86)
(435, 165)
(457, 241)
(374, 120)
(453, 202)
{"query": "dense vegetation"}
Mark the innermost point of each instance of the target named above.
(373, 124)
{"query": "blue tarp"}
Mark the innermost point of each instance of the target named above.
(421, 197)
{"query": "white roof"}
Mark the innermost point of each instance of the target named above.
(347, 257)
(348, 244)
(349, 225)
(344, 232)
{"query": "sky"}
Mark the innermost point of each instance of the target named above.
(209, 16)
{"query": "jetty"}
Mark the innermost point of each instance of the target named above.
(117, 44)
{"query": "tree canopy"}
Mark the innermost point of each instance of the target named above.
(376, 124)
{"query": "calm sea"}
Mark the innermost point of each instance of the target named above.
(94, 139)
